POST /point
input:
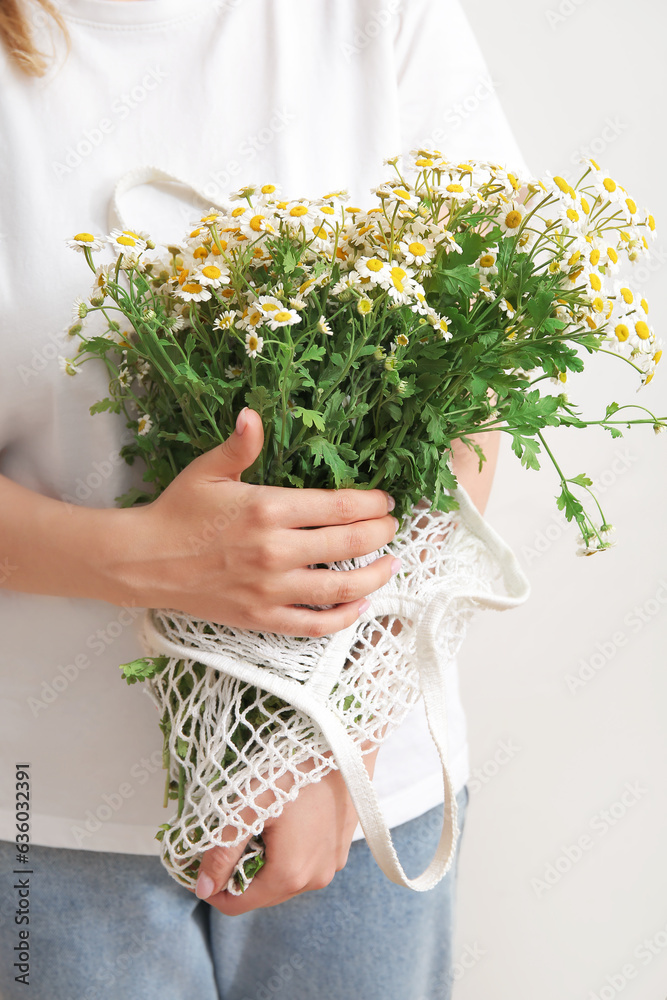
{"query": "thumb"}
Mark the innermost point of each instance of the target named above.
(216, 867)
(229, 459)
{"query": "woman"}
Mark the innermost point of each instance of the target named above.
(311, 94)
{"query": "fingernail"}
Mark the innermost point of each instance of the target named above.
(205, 886)
(242, 421)
(364, 606)
(391, 503)
(395, 566)
(395, 520)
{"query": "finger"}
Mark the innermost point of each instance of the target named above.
(308, 508)
(300, 549)
(314, 624)
(281, 878)
(330, 586)
(216, 867)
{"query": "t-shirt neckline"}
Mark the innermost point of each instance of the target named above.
(130, 13)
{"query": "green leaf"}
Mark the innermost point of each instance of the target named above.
(581, 480)
(143, 668)
(527, 449)
(567, 502)
(310, 417)
(313, 353)
(325, 451)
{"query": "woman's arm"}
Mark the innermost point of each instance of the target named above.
(465, 466)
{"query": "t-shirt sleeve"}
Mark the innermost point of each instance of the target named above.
(446, 93)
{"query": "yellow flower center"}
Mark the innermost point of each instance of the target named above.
(298, 211)
(200, 253)
(374, 264)
(562, 184)
(417, 249)
(238, 211)
(192, 286)
(513, 219)
(598, 304)
(574, 258)
(352, 211)
(402, 193)
(268, 188)
(632, 205)
(423, 162)
(282, 316)
(645, 306)
(627, 296)
(398, 276)
(657, 356)
(320, 231)
(612, 255)
(455, 188)
(327, 210)
(609, 184)
(642, 330)
(211, 271)
(253, 342)
(572, 215)
(622, 332)
(596, 284)
(256, 223)
(585, 206)
(126, 241)
(651, 223)
(487, 260)
(85, 237)
(594, 257)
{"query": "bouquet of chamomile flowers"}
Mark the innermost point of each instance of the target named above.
(368, 339)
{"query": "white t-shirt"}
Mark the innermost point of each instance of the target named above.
(311, 94)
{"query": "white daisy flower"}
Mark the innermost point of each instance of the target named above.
(374, 269)
(511, 217)
(298, 303)
(415, 251)
(193, 291)
(283, 317)
(213, 275)
(85, 241)
(251, 317)
(324, 327)
(399, 284)
(67, 366)
(80, 308)
(234, 371)
(225, 320)
(253, 345)
(145, 424)
(127, 241)
(487, 262)
(364, 305)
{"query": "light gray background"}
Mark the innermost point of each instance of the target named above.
(564, 71)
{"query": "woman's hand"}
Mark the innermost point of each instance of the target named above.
(305, 846)
(210, 545)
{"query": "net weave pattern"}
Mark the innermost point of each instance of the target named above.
(241, 750)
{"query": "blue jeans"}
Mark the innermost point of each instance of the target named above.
(116, 927)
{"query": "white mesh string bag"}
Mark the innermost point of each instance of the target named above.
(247, 708)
